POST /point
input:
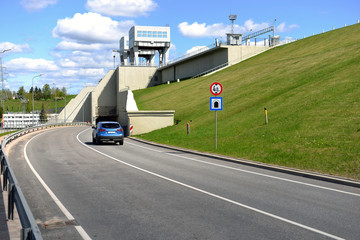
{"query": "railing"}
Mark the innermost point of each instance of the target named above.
(200, 50)
(30, 230)
(140, 64)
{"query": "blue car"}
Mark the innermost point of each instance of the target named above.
(108, 131)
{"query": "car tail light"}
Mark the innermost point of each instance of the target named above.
(102, 130)
(120, 130)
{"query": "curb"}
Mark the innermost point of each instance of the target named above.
(293, 171)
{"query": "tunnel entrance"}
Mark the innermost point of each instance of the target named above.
(113, 118)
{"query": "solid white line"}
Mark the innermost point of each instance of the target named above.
(246, 171)
(81, 231)
(212, 194)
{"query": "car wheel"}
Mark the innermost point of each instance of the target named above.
(121, 142)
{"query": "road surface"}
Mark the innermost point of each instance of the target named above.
(78, 190)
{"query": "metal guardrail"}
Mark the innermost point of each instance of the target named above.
(30, 230)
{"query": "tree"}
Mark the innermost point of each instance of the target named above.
(43, 114)
(46, 91)
(21, 92)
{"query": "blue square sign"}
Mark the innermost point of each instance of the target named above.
(216, 103)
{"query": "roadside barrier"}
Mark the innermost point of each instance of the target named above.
(30, 230)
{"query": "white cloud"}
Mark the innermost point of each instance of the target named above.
(197, 30)
(36, 5)
(202, 30)
(69, 45)
(282, 27)
(27, 65)
(15, 47)
(124, 8)
(251, 25)
(90, 28)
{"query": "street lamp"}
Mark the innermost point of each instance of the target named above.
(55, 102)
(33, 104)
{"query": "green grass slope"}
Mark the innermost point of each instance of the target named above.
(311, 89)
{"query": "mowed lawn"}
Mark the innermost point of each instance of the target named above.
(311, 89)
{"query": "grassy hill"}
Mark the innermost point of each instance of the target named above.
(311, 89)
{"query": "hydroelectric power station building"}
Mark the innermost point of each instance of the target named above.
(112, 98)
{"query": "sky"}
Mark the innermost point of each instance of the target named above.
(71, 41)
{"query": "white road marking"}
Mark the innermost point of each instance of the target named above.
(81, 231)
(212, 194)
(246, 171)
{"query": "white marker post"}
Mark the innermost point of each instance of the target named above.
(216, 103)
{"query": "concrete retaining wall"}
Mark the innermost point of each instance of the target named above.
(147, 121)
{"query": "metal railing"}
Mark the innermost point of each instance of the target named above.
(30, 230)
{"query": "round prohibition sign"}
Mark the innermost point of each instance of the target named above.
(216, 88)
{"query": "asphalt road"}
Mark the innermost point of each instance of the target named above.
(138, 191)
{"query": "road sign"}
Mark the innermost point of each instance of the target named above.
(216, 103)
(216, 88)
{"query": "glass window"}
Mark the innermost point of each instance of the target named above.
(144, 34)
(155, 34)
(149, 34)
(164, 34)
(160, 34)
(139, 33)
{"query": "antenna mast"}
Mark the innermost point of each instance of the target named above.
(232, 18)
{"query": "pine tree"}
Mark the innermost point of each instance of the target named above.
(43, 115)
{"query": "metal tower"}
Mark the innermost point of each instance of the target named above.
(232, 18)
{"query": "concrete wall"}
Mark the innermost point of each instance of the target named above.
(208, 60)
(76, 107)
(147, 121)
(194, 65)
(238, 53)
(135, 78)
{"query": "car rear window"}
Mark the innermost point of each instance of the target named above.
(110, 125)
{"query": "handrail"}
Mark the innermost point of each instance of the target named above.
(30, 230)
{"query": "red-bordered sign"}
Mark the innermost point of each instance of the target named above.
(216, 88)
(131, 128)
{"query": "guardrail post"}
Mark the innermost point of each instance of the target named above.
(5, 177)
(2, 158)
(11, 201)
(26, 233)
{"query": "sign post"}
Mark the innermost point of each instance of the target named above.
(216, 103)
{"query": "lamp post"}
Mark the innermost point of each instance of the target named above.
(2, 80)
(33, 104)
(55, 102)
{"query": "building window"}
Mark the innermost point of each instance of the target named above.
(144, 34)
(139, 33)
(164, 34)
(150, 34)
(160, 34)
(155, 34)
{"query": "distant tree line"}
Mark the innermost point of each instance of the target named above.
(45, 93)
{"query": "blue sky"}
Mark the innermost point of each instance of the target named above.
(71, 42)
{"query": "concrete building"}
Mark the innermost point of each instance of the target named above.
(144, 41)
(124, 50)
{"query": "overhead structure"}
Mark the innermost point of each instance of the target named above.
(144, 41)
(124, 50)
